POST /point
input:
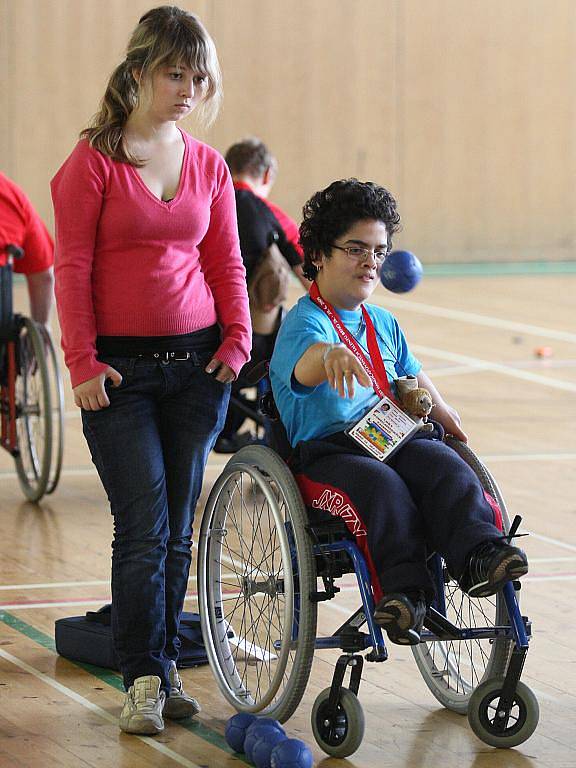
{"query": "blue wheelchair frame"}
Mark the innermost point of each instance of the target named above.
(437, 626)
(351, 640)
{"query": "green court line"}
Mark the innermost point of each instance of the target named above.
(493, 269)
(114, 681)
(490, 268)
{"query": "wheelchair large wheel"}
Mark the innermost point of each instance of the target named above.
(34, 424)
(453, 669)
(56, 409)
(256, 571)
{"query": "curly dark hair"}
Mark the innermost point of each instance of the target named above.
(330, 213)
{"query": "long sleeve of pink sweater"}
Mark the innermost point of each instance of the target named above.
(129, 264)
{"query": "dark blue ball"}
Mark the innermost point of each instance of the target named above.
(254, 734)
(263, 748)
(291, 753)
(236, 729)
(269, 721)
(401, 272)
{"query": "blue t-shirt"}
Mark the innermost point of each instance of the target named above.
(314, 412)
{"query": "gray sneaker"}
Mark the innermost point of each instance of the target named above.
(142, 710)
(179, 704)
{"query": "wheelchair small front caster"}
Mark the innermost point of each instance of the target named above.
(483, 714)
(342, 734)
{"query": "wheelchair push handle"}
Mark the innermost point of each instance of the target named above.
(14, 252)
(257, 373)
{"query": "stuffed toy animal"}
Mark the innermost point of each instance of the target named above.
(415, 400)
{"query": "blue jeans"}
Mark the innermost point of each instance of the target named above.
(150, 447)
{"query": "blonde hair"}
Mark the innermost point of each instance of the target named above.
(164, 36)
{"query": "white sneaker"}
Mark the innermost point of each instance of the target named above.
(142, 710)
(179, 704)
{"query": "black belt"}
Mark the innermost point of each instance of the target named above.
(165, 357)
(160, 357)
(195, 345)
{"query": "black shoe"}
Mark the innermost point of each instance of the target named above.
(402, 617)
(490, 566)
(234, 443)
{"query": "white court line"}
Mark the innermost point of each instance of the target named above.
(475, 319)
(509, 457)
(454, 370)
(64, 604)
(69, 472)
(153, 744)
(56, 584)
(461, 370)
(567, 577)
(557, 542)
(68, 603)
(89, 471)
(534, 378)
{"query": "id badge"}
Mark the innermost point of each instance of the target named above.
(383, 429)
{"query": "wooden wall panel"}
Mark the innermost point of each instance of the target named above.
(488, 116)
(465, 110)
(314, 80)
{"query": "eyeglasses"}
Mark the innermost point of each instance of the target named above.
(359, 254)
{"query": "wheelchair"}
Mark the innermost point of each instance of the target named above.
(31, 394)
(252, 386)
(262, 558)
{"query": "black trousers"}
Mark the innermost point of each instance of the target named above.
(424, 499)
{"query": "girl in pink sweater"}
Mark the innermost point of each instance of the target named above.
(151, 296)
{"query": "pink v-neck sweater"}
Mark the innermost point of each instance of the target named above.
(128, 264)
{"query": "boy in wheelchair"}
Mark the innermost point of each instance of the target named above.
(334, 357)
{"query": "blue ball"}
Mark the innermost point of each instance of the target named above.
(401, 272)
(254, 734)
(263, 748)
(291, 753)
(268, 721)
(236, 728)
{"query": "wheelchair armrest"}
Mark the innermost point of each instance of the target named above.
(257, 373)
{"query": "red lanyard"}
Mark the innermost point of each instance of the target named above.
(374, 367)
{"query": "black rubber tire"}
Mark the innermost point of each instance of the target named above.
(56, 408)
(450, 672)
(34, 413)
(482, 712)
(254, 505)
(348, 735)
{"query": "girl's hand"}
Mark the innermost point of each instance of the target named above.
(343, 366)
(221, 371)
(449, 418)
(91, 395)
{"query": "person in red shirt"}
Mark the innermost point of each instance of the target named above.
(254, 170)
(151, 295)
(21, 226)
(260, 223)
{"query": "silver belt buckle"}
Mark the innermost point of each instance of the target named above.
(167, 357)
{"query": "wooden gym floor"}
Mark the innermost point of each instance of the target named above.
(478, 339)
